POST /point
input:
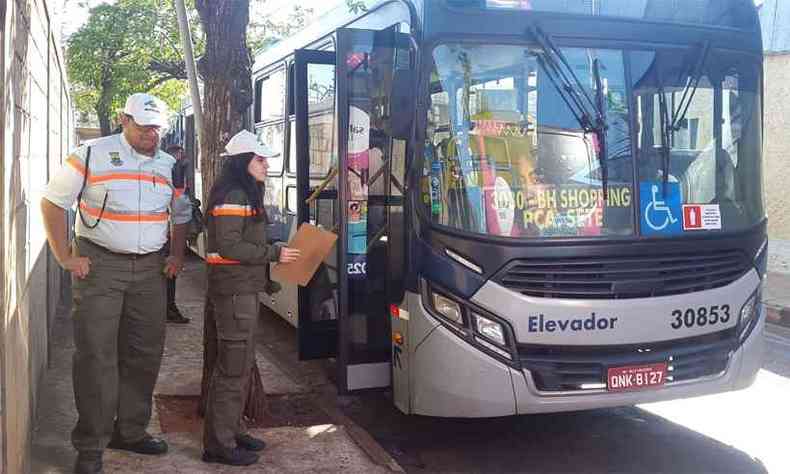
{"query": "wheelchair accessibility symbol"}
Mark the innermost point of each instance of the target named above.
(657, 214)
(659, 210)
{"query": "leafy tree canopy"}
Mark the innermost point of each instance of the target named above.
(130, 46)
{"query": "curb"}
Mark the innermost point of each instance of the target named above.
(325, 398)
(777, 315)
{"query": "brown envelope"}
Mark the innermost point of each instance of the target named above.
(315, 245)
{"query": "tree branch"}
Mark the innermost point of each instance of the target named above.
(173, 70)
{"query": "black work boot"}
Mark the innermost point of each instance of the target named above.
(147, 445)
(89, 462)
(250, 443)
(174, 316)
(235, 457)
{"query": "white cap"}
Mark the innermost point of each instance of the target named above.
(246, 142)
(146, 110)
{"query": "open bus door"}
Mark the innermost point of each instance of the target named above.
(344, 311)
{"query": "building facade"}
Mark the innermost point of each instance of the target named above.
(35, 134)
(775, 23)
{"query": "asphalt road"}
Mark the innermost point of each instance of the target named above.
(741, 432)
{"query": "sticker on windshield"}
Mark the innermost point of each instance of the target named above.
(701, 217)
(660, 211)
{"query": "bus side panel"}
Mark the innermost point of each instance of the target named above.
(452, 378)
(414, 329)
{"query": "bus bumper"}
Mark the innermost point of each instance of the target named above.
(454, 379)
(740, 373)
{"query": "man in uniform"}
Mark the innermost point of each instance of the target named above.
(122, 185)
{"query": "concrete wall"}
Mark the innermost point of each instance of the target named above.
(776, 156)
(35, 120)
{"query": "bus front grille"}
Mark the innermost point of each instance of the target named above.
(584, 368)
(623, 277)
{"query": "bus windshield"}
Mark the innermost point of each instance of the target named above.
(506, 156)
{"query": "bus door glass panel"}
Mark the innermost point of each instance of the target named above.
(710, 153)
(366, 61)
(505, 155)
(316, 193)
(272, 135)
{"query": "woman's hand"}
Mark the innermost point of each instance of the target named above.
(289, 255)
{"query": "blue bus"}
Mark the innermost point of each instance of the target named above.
(540, 205)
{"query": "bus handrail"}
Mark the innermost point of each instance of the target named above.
(321, 186)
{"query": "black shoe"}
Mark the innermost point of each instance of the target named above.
(148, 445)
(250, 443)
(89, 462)
(175, 316)
(237, 457)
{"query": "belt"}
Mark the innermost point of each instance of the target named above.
(132, 256)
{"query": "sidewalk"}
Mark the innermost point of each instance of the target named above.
(300, 436)
(776, 292)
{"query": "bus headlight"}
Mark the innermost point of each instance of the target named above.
(491, 335)
(490, 329)
(448, 309)
(487, 333)
(749, 312)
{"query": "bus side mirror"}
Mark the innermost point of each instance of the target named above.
(402, 103)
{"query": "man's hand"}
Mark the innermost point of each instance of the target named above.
(289, 255)
(78, 266)
(173, 266)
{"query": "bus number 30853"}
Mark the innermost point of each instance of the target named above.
(702, 316)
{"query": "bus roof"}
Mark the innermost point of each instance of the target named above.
(740, 14)
(323, 27)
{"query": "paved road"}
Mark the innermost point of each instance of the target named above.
(741, 433)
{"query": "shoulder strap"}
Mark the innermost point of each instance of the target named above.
(82, 190)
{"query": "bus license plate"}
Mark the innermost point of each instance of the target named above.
(636, 377)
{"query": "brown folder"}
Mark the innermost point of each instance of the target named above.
(315, 245)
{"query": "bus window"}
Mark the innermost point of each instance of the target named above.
(272, 136)
(290, 200)
(292, 148)
(272, 96)
(321, 119)
(709, 157)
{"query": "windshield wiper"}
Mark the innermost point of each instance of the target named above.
(600, 102)
(665, 133)
(589, 113)
(670, 125)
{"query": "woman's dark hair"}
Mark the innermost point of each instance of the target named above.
(234, 175)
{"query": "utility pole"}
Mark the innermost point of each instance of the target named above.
(189, 56)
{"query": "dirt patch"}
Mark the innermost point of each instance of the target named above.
(178, 413)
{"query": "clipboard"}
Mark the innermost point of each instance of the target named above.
(315, 245)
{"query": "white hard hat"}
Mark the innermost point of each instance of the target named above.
(246, 142)
(146, 110)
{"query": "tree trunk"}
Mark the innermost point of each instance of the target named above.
(103, 112)
(226, 70)
(104, 106)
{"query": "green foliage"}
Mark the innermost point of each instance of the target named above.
(356, 6)
(262, 34)
(130, 46)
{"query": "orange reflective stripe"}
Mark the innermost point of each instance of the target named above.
(76, 164)
(237, 210)
(217, 259)
(231, 212)
(114, 216)
(178, 192)
(128, 177)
